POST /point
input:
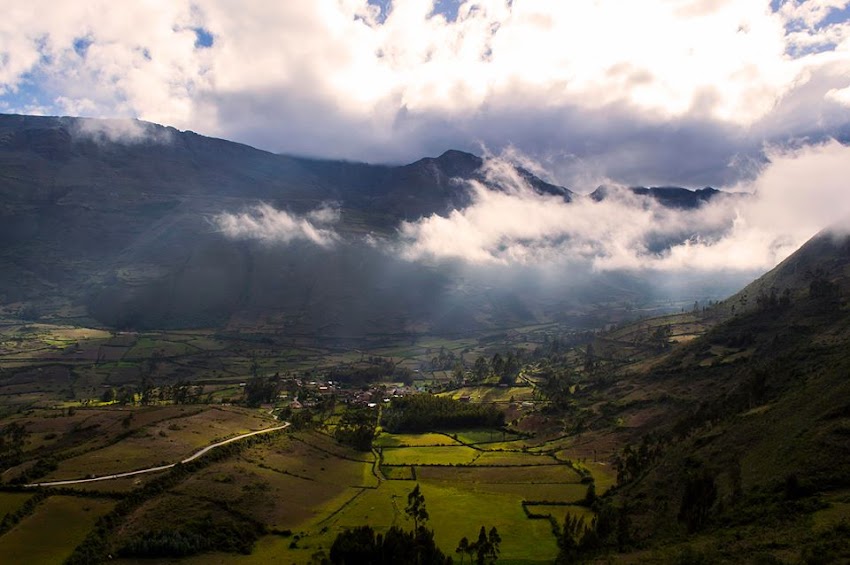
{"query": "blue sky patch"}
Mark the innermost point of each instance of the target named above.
(383, 6)
(29, 94)
(203, 38)
(835, 16)
(447, 8)
(81, 46)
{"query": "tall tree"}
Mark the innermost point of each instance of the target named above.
(462, 548)
(416, 508)
(494, 540)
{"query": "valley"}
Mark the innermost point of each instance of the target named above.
(242, 357)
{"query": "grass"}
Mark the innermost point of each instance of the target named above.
(559, 512)
(413, 440)
(146, 346)
(560, 474)
(488, 394)
(447, 455)
(12, 501)
(475, 436)
(457, 512)
(397, 473)
(49, 536)
(514, 458)
(158, 436)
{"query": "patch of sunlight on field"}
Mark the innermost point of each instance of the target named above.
(514, 458)
(456, 512)
(529, 475)
(49, 536)
(492, 394)
(830, 517)
(413, 440)
(447, 455)
(479, 436)
(604, 476)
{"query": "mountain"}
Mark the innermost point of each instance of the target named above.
(740, 438)
(109, 222)
(669, 196)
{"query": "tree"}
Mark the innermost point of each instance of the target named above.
(362, 545)
(590, 495)
(494, 540)
(356, 545)
(485, 548)
(462, 548)
(572, 531)
(589, 359)
(260, 390)
(482, 547)
(13, 438)
(356, 428)
(698, 499)
(416, 508)
(108, 395)
(480, 369)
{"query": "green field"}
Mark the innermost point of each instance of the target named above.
(303, 481)
(51, 533)
(472, 437)
(12, 501)
(413, 440)
(445, 455)
(559, 512)
(514, 458)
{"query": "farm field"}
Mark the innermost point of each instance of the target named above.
(301, 487)
(11, 502)
(297, 484)
(161, 442)
(50, 534)
(414, 440)
(441, 455)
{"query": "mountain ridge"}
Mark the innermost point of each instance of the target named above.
(110, 219)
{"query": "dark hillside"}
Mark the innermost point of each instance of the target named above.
(754, 444)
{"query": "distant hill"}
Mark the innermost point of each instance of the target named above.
(669, 196)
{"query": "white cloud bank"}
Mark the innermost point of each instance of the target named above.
(269, 225)
(798, 194)
(620, 89)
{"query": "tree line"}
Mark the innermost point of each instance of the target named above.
(423, 412)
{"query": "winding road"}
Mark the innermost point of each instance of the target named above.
(161, 467)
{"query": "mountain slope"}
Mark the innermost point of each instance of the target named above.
(748, 455)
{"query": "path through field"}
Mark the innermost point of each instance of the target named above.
(161, 467)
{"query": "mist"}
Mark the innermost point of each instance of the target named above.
(264, 223)
(798, 193)
(514, 255)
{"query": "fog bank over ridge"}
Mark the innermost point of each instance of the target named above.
(508, 223)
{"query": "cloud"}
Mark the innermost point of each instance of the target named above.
(639, 92)
(124, 131)
(268, 225)
(797, 194)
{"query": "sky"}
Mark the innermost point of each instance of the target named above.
(652, 92)
(745, 95)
